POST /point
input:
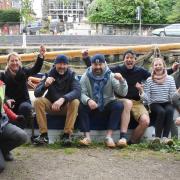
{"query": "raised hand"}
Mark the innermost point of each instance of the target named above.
(42, 51)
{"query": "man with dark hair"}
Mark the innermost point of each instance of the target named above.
(62, 97)
(134, 75)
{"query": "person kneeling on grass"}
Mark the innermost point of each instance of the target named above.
(98, 85)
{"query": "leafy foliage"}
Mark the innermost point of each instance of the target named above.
(165, 7)
(26, 11)
(118, 11)
(146, 145)
(175, 16)
(10, 15)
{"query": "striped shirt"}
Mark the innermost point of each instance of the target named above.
(158, 93)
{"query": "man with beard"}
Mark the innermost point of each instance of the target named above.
(62, 97)
(98, 85)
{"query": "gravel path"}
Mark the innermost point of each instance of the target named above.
(33, 163)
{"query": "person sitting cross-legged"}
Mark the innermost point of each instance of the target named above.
(98, 85)
(62, 97)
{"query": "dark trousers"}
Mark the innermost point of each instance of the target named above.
(2, 163)
(25, 109)
(163, 113)
(113, 110)
(11, 137)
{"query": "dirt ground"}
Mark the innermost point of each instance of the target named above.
(40, 163)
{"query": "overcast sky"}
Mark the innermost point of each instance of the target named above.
(37, 8)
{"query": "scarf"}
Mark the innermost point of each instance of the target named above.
(159, 79)
(98, 83)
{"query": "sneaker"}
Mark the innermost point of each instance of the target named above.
(167, 141)
(85, 141)
(156, 140)
(66, 139)
(122, 143)
(109, 142)
(41, 140)
(8, 156)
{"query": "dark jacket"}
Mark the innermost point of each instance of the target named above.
(66, 86)
(87, 61)
(132, 76)
(16, 87)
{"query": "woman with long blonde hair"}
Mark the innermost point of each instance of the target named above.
(15, 79)
(158, 92)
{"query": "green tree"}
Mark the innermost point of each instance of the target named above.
(118, 11)
(9, 15)
(175, 16)
(165, 7)
(150, 12)
(100, 10)
(26, 11)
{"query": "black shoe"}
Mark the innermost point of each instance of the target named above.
(66, 139)
(8, 156)
(41, 140)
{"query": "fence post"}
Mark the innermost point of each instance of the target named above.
(24, 40)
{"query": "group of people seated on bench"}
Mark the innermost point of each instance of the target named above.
(116, 92)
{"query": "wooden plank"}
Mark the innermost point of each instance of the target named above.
(102, 50)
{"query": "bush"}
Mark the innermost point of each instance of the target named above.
(10, 15)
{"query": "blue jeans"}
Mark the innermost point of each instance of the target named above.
(11, 137)
(113, 110)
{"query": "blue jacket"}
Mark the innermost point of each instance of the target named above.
(66, 86)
